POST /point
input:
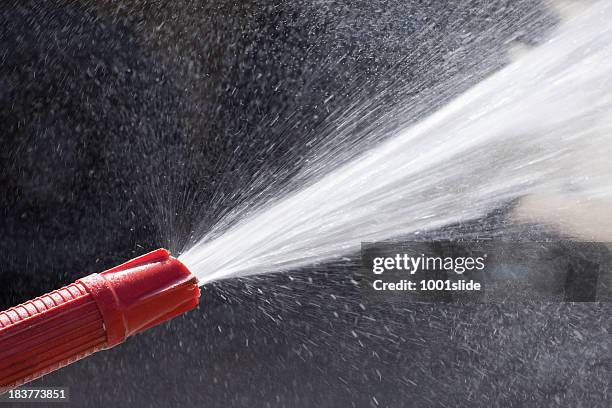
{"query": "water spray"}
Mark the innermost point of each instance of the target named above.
(540, 127)
(94, 313)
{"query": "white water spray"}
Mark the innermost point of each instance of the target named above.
(540, 126)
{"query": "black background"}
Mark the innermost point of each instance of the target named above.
(125, 126)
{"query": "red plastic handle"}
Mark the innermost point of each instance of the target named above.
(94, 313)
(47, 333)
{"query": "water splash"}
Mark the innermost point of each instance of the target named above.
(540, 126)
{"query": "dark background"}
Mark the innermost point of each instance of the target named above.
(126, 126)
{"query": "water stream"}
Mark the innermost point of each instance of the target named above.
(540, 127)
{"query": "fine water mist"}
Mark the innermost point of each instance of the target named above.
(540, 127)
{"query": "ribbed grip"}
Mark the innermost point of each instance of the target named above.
(47, 333)
(96, 312)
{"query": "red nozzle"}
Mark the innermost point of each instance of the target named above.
(96, 312)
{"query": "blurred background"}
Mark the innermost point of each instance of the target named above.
(130, 125)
